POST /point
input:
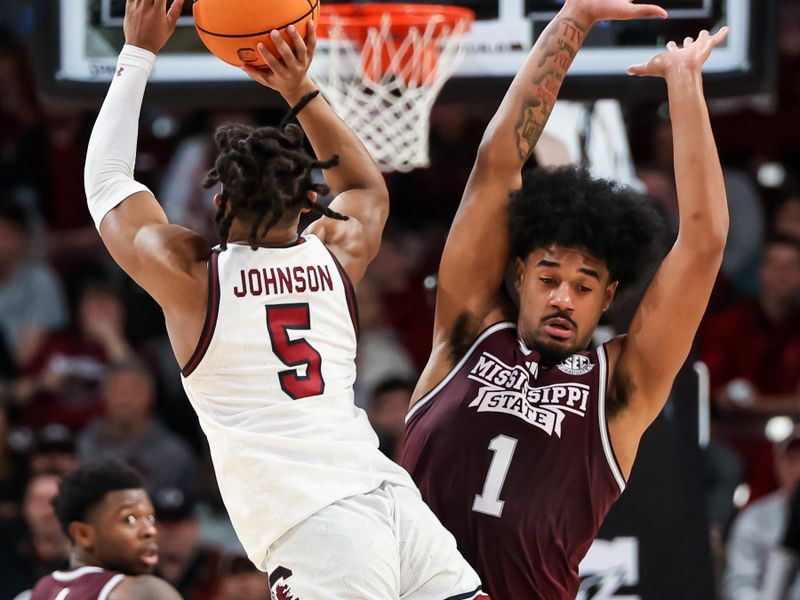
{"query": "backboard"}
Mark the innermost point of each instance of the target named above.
(88, 36)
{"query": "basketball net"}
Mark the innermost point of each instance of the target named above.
(384, 85)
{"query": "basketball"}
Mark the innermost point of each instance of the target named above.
(232, 30)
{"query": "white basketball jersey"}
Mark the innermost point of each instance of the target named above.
(272, 383)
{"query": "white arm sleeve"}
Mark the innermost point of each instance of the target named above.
(108, 175)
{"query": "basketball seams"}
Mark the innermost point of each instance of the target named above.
(303, 17)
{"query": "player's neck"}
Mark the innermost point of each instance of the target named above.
(80, 558)
(282, 234)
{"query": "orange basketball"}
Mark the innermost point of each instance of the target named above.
(231, 30)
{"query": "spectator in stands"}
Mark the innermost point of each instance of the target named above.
(758, 530)
(35, 545)
(31, 298)
(387, 410)
(61, 382)
(380, 353)
(129, 432)
(753, 350)
(53, 451)
(787, 215)
(241, 580)
(395, 271)
(190, 566)
(753, 354)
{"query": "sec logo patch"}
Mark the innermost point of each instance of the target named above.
(576, 365)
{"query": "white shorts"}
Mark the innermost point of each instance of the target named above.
(386, 544)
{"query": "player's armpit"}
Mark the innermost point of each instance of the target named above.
(168, 261)
(144, 587)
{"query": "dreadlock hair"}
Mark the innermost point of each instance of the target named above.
(566, 206)
(265, 173)
(87, 486)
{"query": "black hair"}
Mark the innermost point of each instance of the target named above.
(265, 172)
(566, 206)
(386, 386)
(87, 486)
(12, 212)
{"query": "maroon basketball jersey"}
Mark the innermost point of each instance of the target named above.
(83, 583)
(516, 462)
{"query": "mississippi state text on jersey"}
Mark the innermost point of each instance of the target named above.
(83, 583)
(271, 381)
(516, 462)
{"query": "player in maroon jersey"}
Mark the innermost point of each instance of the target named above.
(518, 437)
(110, 521)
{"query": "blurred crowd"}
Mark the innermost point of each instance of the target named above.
(86, 369)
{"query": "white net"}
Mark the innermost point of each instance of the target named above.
(386, 89)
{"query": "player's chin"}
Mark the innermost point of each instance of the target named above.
(552, 350)
(142, 565)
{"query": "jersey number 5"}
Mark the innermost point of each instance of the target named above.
(297, 353)
(488, 501)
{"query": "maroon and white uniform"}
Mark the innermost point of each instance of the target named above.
(516, 462)
(83, 583)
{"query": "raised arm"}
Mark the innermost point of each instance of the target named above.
(664, 326)
(476, 254)
(162, 258)
(356, 181)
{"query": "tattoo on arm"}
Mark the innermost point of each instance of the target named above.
(560, 47)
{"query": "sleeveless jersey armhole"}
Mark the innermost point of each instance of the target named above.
(349, 290)
(212, 311)
(605, 437)
(425, 399)
(109, 587)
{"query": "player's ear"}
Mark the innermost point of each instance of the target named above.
(312, 197)
(611, 291)
(519, 273)
(217, 200)
(82, 534)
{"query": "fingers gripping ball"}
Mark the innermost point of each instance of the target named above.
(232, 30)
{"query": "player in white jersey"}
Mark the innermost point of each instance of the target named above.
(266, 327)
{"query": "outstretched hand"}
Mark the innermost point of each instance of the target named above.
(691, 56)
(148, 24)
(288, 74)
(615, 10)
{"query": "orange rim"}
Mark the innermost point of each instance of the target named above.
(357, 19)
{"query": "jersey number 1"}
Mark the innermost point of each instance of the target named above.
(488, 501)
(298, 353)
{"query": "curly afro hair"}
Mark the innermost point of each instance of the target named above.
(87, 486)
(568, 207)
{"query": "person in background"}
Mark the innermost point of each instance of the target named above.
(60, 384)
(758, 530)
(109, 520)
(53, 451)
(786, 220)
(387, 410)
(189, 565)
(32, 301)
(381, 354)
(34, 545)
(241, 580)
(129, 432)
(752, 351)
